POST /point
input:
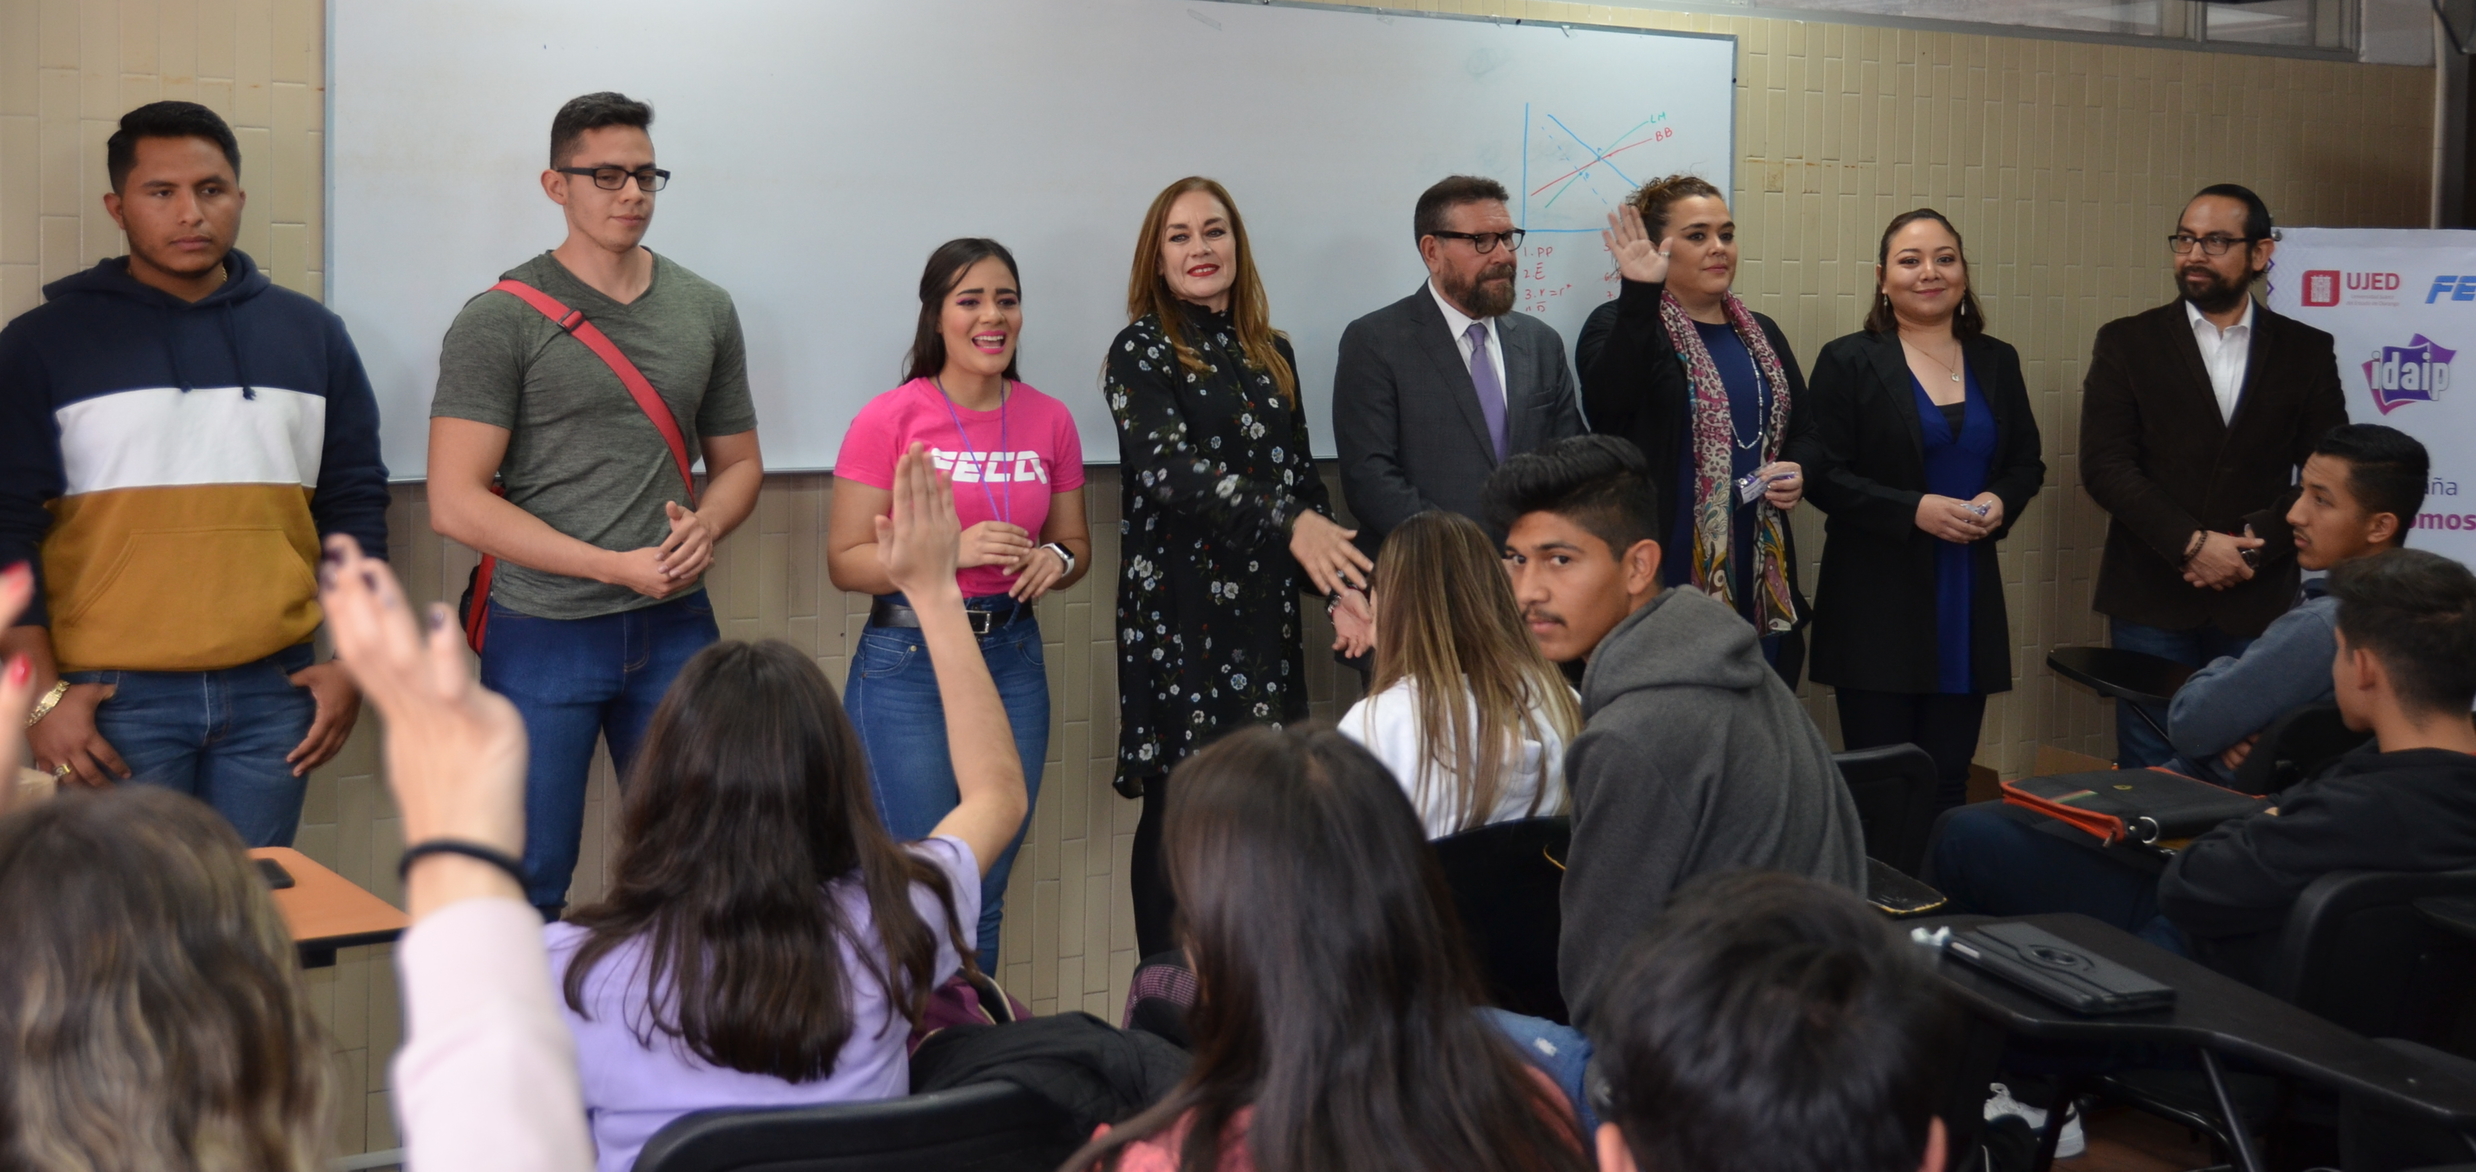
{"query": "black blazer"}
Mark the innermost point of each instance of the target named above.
(1406, 415)
(2158, 458)
(1634, 386)
(1865, 466)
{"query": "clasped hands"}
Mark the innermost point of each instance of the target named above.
(1035, 568)
(2219, 563)
(1958, 521)
(656, 571)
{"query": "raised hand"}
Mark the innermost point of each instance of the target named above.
(919, 542)
(1638, 257)
(455, 750)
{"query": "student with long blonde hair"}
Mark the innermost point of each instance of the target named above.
(1465, 710)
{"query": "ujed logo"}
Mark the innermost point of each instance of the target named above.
(2322, 288)
(2417, 372)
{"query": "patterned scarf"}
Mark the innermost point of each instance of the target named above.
(1715, 490)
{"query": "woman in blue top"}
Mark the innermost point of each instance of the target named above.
(1923, 453)
(1710, 392)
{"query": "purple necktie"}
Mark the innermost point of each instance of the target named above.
(1491, 388)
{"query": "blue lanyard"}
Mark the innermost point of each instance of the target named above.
(1003, 446)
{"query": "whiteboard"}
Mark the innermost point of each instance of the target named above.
(821, 148)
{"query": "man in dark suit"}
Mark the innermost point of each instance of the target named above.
(2194, 419)
(1436, 389)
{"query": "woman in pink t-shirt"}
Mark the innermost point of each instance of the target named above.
(1017, 468)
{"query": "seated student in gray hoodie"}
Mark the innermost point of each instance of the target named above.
(1694, 756)
(2359, 495)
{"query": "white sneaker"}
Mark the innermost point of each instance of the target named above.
(2071, 1143)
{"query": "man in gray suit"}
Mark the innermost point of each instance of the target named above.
(1438, 388)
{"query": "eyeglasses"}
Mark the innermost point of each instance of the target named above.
(1485, 242)
(2214, 244)
(615, 178)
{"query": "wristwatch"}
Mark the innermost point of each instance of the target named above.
(1062, 555)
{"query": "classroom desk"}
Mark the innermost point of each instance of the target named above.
(2214, 1014)
(326, 911)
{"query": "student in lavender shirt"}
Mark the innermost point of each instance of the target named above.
(2358, 496)
(765, 941)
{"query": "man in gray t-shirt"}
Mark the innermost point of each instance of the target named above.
(597, 600)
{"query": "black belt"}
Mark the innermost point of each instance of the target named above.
(882, 613)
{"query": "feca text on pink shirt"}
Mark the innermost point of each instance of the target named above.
(1006, 463)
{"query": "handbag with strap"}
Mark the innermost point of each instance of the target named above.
(2146, 805)
(475, 606)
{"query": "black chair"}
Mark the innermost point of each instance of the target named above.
(1893, 786)
(1506, 880)
(985, 1127)
(2358, 951)
(2149, 681)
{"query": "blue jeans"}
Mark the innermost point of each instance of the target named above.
(892, 698)
(218, 736)
(2000, 860)
(577, 681)
(2137, 746)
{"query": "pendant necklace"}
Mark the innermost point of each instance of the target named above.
(1937, 361)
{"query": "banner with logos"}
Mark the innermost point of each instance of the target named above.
(2402, 304)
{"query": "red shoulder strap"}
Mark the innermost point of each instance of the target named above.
(647, 399)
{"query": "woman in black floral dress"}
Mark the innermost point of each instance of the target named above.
(1225, 520)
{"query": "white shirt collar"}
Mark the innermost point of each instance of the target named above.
(1454, 318)
(2193, 314)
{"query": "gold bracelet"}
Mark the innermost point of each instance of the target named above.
(50, 700)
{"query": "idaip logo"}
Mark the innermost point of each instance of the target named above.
(2417, 372)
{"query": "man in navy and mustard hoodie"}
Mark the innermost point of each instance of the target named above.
(177, 435)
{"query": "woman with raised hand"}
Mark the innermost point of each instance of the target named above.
(144, 902)
(765, 942)
(1225, 519)
(1923, 454)
(1710, 392)
(487, 1076)
(1017, 466)
(1468, 714)
(1334, 1025)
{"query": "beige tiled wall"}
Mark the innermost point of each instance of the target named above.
(2063, 163)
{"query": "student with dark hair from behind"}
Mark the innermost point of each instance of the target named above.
(596, 598)
(2405, 671)
(1773, 1024)
(765, 942)
(1694, 756)
(177, 435)
(2359, 495)
(1335, 1026)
